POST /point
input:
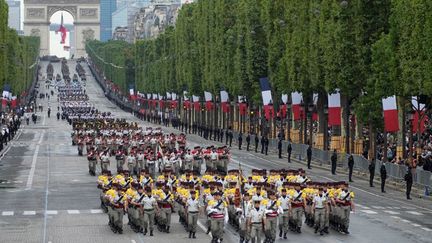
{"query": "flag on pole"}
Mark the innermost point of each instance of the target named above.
(391, 121)
(209, 100)
(63, 31)
(419, 112)
(196, 102)
(315, 102)
(242, 105)
(334, 109)
(132, 93)
(296, 98)
(267, 98)
(173, 100)
(186, 101)
(225, 101)
(14, 102)
(161, 101)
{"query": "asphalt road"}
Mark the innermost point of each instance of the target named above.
(47, 195)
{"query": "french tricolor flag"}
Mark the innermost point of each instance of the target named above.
(186, 101)
(209, 100)
(242, 105)
(267, 98)
(161, 101)
(419, 109)
(196, 102)
(225, 101)
(283, 108)
(173, 100)
(14, 102)
(334, 109)
(132, 93)
(391, 121)
(296, 98)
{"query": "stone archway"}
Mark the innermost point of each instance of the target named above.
(86, 14)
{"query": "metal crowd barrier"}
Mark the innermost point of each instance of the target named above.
(361, 164)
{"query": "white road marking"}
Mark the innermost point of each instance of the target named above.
(416, 225)
(359, 205)
(94, 211)
(133, 241)
(8, 213)
(369, 211)
(427, 229)
(73, 212)
(395, 217)
(29, 213)
(52, 212)
(414, 213)
(406, 221)
(378, 207)
(391, 212)
(33, 165)
(6, 151)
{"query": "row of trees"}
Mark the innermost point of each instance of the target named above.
(366, 49)
(17, 55)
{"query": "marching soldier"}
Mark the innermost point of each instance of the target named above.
(217, 210)
(105, 162)
(320, 209)
(256, 221)
(272, 209)
(166, 200)
(91, 157)
(149, 206)
(296, 210)
(134, 209)
(116, 200)
(284, 216)
(344, 204)
(131, 162)
(192, 206)
(246, 206)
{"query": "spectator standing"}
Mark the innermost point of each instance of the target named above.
(383, 173)
(266, 144)
(240, 140)
(262, 144)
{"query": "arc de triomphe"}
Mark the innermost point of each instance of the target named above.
(86, 14)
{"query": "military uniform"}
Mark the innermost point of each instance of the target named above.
(149, 205)
(256, 218)
(192, 206)
(217, 210)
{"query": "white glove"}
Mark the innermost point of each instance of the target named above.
(226, 219)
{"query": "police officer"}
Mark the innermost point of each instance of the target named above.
(240, 140)
(383, 173)
(280, 148)
(309, 156)
(149, 206)
(350, 167)
(192, 208)
(333, 162)
(217, 211)
(371, 172)
(248, 141)
(289, 151)
(256, 143)
(320, 209)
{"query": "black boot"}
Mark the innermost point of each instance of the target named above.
(151, 232)
(316, 230)
(167, 229)
(190, 234)
(193, 235)
(119, 230)
(326, 230)
(280, 233)
(285, 236)
(145, 231)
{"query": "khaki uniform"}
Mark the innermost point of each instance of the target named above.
(218, 214)
(256, 217)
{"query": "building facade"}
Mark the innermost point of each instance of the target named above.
(14, 18)
(125, 14)
(107, 8)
